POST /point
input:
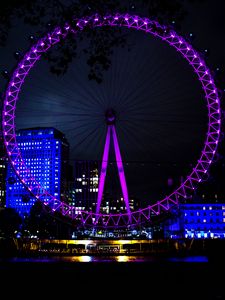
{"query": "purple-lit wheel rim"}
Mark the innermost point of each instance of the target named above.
(191, 181)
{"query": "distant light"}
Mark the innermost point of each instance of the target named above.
(5, 74)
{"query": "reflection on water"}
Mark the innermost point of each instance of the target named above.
(189, 259)
(118, 258)
(103, 259)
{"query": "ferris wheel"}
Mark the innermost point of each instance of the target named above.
(90, 218)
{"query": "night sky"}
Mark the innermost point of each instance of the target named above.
(161, 111)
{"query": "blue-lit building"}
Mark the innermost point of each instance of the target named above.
(204, 220)
(46, 153)
(199, 220)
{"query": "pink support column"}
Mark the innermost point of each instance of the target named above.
(110, 120)
(103, 171)
(121, 171)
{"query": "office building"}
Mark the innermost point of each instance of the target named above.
(45, 152)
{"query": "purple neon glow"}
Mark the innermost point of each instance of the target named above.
(103, 171)
(111, 129)
(167, 35)
(121, 170)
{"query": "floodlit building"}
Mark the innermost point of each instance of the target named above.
(199, 220)
(45, 152)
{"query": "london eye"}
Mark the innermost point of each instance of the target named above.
(113, 110)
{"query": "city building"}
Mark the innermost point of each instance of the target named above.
(83, 190)
(117, 205)
(45, 152)
(198, 220)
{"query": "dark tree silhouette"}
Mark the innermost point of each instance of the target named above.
(42, 222)
(10, 222)
(44, 15)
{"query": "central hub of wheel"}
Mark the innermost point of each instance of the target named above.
(110, 116)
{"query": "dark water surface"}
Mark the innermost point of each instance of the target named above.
(104, 259)
(109, 277)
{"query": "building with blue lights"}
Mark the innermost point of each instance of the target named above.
(199, 220)
(204, 220)
(45, 152)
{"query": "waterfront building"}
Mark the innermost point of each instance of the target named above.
(198, 220)
(45, 151)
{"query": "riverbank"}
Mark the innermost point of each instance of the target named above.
(213, 249)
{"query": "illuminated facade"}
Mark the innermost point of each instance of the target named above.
(199, 220)
(84, 191)
(46, 154)
(204, 220)
(110, 205)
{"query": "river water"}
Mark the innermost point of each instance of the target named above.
(106, 259)
(122, 277)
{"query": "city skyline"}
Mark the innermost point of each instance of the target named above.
(163, 162)
(166, 88)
